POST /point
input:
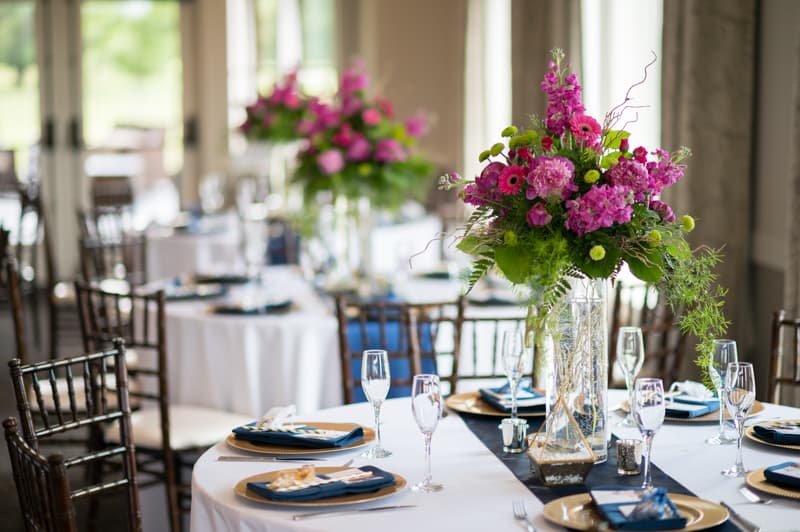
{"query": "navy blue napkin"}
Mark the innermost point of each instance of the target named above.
(687, 408)
(288, 439)
(380, 479)
(642, 511)
(785, 433)
(236, 309)
(786, 474)
(500, 397)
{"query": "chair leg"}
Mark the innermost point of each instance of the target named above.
(171, 486)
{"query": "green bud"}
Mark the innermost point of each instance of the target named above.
(531, 136)
(597, 253)
(687, 222)
(485, 154)
(591, 176)
(510, 238)
(516, 141)
(509, 131)
(364, 169)
(655, 235)
(497, 149)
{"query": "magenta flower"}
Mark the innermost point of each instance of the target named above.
(632, 174)
(510, 179)
(624, 146)
(663, 210)
(547, 143)
(551, 178)
(416, 126)
(353, 80)
(371, 117)
(389, 150)
(522, 155)
(359, 149)
(344, 137)
(386, 107)
(586, 130)
(485, 188)
(538, 216)
(640, 154)
(563, 99)
(351, 105)
(663, 172)
(330, 161)
(599, 207)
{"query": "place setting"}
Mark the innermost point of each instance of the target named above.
(253, 299)
(184, 288)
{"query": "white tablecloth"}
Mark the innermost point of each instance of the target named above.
(478, 487)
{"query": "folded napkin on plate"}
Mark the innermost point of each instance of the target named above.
(632, 509)
(528, 400)
(305, 436)
(330, 485)
(786, 474)
(688, 407)
(783, 433)
(248, 310)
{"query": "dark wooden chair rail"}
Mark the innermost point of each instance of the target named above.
(785, 333)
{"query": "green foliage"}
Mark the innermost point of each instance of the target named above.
(17, 37)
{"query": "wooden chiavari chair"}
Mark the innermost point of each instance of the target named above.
(784, 360)
(123, 259)
(96, 398)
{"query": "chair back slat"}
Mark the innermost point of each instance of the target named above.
(123, 258)
(784, 364)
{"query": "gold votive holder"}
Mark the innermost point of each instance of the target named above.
(554, 468)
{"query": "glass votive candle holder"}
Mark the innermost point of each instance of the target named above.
(629, 456)
(515, 433)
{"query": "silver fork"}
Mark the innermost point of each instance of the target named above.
(521, 514)
(753, 496)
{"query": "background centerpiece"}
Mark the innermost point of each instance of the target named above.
(558, 209)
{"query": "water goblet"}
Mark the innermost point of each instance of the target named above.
(648, 412)
(740, 394)
(513, 362)
(724, 353)
(375, 380)
(630, 357)
(426, 405)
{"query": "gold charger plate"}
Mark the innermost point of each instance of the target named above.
(350, 498)
(750, 433)
(757, 480)
(711, 417)
(262, 448)
(472, 403)
(578, 512)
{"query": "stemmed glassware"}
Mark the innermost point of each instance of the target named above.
(724, 353)
(630, 357)
(648, 411)
(375, 380)
(426, 404)
(513, 362)
(740, 394)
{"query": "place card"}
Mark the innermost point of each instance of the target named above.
(625, 509)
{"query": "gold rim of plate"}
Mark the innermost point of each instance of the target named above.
(578, 512)
(711, 417)
(757, 480)
(750, 433)
(261, 448)
(472, 403)
(350, 498)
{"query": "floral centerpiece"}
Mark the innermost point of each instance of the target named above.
(567, 201)
(275, 117)
(358, 149)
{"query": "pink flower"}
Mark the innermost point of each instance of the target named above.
(538, 216)
(330, 161)
(359, 149)
(632, 174)
(510, 179)
(416, 126)
(304, 127)
(624, 146)
(663, 172)
(344, 137)
(385, 106)
(522, 155)
(353, 80)
(485, 188)
(599, 207)
(371, 117)
(389, 150)
(663, 210)
(351, 105)
(640, 154)
(586, 130)
(547, 143)
(551, 178)
(292, 101)
(563, 99)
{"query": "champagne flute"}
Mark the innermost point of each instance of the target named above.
(740, 394)
(724, 353)
(513, 361)
(426, 404)
(630, 357)
(375, 381)
(648, 411)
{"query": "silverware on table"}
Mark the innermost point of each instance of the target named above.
(521, 514)
(739, 521)
(753, 497)
(234, 458)
(298, 517)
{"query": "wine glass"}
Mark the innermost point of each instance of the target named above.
(648, 411)
(740, 394)
(426, 404)
(630, 357)
(255, 246)
(724, 353)
(513, 361)
(375, 382)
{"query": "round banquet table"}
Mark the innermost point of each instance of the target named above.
(479, 488)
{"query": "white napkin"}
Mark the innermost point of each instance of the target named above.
(691, 390)
(276, 417)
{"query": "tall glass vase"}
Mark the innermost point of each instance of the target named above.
(576, 370)
(352, 232)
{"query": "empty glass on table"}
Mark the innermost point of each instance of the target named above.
(513, 363)
(723, 354)
(426, 405)
(630, 357)
(740, 394)
(375, 380)
(648, 411)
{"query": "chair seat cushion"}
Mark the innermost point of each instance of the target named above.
(190, 427)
